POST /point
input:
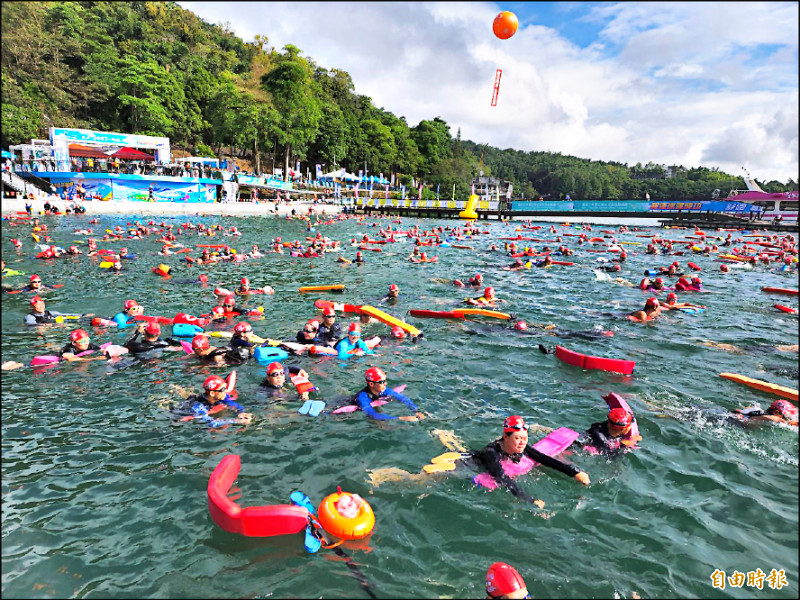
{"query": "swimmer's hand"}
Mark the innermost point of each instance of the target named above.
(244, 418)
(304, 396)
(410, 419)
(582, 478)
(539, 503)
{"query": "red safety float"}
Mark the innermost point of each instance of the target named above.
(584, 361)
(253, 521)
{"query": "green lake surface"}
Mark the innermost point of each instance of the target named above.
(103, 496)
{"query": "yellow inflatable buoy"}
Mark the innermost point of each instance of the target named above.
(469, 212)
(346, 516)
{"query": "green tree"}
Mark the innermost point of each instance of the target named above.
(293, 94)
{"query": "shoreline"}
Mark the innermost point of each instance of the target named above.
(238, 209)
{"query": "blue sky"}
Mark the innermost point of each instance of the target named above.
(711, 84)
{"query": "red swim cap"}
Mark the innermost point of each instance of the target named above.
(329, 312)
(214, 383)
(502, 579)
(242, 327)
(375, 374)
(203, 278)
(200, 342)
(488, 292)
(218, 310)
(521, 326)
(153, 328)
(78, 334)
(620, 417)
(652, 302)
(354, 327)
(123, 250)
(514, 423)
(36, 299)
(618, 267)
(394, 288)
(275, 366)
(35, 278)
(398, 332)
(129, 304)
(672, 296)
(785, 408)
(229, 300)
(724, 268)
(245, 281)
(659, 280)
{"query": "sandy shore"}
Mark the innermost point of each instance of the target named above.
(239, 209)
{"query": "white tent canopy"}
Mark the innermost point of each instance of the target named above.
(337, 174)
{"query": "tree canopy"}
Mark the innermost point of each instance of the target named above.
(155, 68)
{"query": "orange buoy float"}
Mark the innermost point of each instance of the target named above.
(505, 25)
(346, 516)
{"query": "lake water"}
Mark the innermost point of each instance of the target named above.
(103, 496)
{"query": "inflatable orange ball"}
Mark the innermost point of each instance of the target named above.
(505, 25)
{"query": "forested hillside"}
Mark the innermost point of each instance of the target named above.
(155, 68)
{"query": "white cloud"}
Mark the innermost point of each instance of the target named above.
(673, 83)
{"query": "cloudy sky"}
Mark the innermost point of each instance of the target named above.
(711, 84)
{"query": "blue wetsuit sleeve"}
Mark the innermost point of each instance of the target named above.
(200, 412)
(398, 396)
(233, 404)
(122, 321)
(365, 404)
(362, 346)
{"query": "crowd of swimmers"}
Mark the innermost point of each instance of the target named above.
(217, 403)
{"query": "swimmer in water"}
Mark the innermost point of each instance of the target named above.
(244, 287)
(515, 266)
(503, 581)
(206, 353)
(276, 376)
(329, 330)
(40, 316)
(511, 447)
(393, 294)
(376, 390)
(780, 411)
(652, 309)
(488, 299)
(214, 399)
(352, 344)
(613, 435)
(79, 342)
(150, 332)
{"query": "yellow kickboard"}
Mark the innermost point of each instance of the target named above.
(481, 312)
(389, 319)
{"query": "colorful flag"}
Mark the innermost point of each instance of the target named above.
(392, 184)
(319, 172)
(360, 175)
(437, 191)
(370, 190)
(387, 191)
(357, 190)
(420, 189)
(403, 191)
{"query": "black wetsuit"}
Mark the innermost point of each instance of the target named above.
(599, 438)
(242, 348)
(137, 346)
(70, 349)
(491, 455)
(275, 392)
(230, 356)
(327, 335)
